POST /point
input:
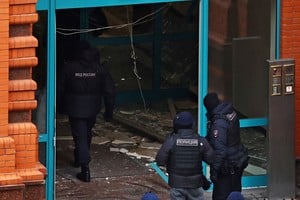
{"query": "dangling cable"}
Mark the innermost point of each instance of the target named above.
(142, 20)
(133, 56)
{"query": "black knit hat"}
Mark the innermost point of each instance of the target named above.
(183, 120)
(211, 101)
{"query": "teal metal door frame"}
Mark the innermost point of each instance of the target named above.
(247, 181)
(49, 138)
(68, 4)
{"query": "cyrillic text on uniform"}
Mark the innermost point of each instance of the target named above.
(187, 142)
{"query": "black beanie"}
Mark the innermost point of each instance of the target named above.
(211, 101)
(183, 120)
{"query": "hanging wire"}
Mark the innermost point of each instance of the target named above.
(142, 20)
(133, 56)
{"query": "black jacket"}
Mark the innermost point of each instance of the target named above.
(83, 84)
(224, 137)
(182, 153)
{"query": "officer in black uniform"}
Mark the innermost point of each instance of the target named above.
(182, 153)
(84, 83)
(231, 157)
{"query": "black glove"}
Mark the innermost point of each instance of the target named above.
(205, 183)
(213, 176)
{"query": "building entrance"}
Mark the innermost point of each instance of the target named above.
(229, 56)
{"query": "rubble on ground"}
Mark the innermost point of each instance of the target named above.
(135, 132)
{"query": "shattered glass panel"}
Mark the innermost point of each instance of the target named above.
(124, 69)
(140, 16)
(254, 139)
(179, 64)
(181, 17)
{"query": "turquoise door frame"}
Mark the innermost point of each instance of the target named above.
(66, 4)
(278, 18)
(49, 138)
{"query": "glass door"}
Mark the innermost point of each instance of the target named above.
(239, 45)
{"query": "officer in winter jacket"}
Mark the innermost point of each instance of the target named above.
(83, 84)
(182, 153)
(231, 156)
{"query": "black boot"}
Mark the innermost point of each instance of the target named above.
(84, 175)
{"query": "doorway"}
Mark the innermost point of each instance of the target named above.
(239, 46)
(220, 53)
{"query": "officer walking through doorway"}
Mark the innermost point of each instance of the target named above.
(83, 84)
(231, 157)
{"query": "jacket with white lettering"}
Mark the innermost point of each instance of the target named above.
(83, 84)
(182, 153)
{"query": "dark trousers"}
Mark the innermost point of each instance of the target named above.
(227, 183)
(81, 129)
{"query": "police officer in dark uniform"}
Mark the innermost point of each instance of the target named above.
(231, 156)
(182, 153)
(84, 83)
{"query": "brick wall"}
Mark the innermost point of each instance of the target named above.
(290, 48)
(21, 174)
(4, 24)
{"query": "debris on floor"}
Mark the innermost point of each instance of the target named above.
(122, 152)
